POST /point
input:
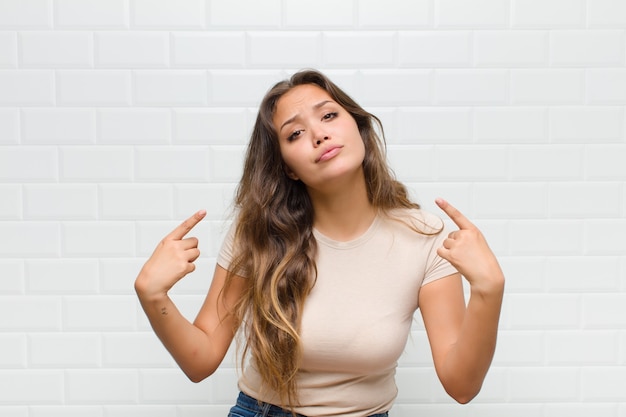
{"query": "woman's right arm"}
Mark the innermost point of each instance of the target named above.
(197, 347)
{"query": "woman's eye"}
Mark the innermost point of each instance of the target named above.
(331, 115)
(294, 135)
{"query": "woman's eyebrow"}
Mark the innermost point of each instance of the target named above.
(294, 117)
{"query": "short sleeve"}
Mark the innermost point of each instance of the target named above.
(226, 253)
(436, 266)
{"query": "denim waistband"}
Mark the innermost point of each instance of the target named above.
(252, 407)
(260, 409)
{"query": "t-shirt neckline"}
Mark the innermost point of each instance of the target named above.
(349, 244)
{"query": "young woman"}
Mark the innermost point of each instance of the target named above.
(325, 264)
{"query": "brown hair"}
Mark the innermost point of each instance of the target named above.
(275, 247)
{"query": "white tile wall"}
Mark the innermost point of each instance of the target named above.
(76, 126)
(56, 49)
(551, 14)
(91, 14)
(119, 118)
(484, 13)
(606, 13)
(27, 14)
(93, 88)
(26, 87)
(131, 49)
(184, 14)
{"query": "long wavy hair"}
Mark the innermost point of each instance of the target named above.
(274, 245)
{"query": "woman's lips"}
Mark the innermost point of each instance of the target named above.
(330, 153)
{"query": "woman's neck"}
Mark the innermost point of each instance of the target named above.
(345, 212)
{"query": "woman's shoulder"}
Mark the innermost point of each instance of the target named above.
(418, 219)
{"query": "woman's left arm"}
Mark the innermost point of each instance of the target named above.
(463, 337)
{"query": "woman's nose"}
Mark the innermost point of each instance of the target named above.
(319, 140)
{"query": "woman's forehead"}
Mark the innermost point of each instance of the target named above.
(302, 94)
(300, 98)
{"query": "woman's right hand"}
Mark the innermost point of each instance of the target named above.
(172, 259)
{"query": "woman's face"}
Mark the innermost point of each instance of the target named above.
(319, 140)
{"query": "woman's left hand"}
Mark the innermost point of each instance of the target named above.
(467, 250)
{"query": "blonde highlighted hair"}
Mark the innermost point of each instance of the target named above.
(275, 247)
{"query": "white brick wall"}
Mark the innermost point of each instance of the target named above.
(119, 118)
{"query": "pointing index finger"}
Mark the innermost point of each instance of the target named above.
(455, 215)
(185, 227)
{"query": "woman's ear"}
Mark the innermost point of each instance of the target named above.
(291, 174)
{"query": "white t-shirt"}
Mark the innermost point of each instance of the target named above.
(357, 318)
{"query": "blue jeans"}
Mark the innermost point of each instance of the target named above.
(249, 407)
